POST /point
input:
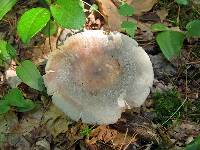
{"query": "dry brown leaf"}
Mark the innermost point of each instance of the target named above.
(162, 13)
(102, 133)
(141, 6)
(123, 140)
(56, 121)
(113, 19)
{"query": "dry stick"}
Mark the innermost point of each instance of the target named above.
(49, 28)
(124, 139)
(131, 140)
(194, 62)
(186, 97)
(178, 17)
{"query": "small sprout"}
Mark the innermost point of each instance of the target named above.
(93, 8)
(126, 10)
(129, 27)
(86, 131)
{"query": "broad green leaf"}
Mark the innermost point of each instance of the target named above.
(5, 6)
(7, 52)
(125, 10)
(193, 28)
(159, 27)
(4, 107)
(129, 27)
(170, 43)
(30, 75)
(31, 22)
(28, 105)
(194, 145)
(68, 13)
(182, 2)
(50, 28)
(15, 98)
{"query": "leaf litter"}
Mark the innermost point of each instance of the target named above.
(46, 125)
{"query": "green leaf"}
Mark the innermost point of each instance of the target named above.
(48, 1)
(7, 52)
(125, 10)
(4, 107)
(30, 75)
(194, 145)
(193, 28)
(5, 6)
(129, 27)
(170, 43)
(14, 98)
(94, 7)
(68, 13)
(182, 2)
(50, 28)
(31, 22)
(28, 105)
(159, 27)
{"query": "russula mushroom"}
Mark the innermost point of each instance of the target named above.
(95, 76)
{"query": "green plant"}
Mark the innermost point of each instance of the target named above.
(182, 2)
(166, 104)
(30, 75)
(127, 26)
(5, 6)
(86, 131)
(14, 99)
(66, 13)
(171, 42)
(194, 145)
(7, 52)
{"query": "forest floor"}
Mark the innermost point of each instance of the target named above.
(153, 126)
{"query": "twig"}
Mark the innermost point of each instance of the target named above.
(194, 62)
(124, 139)
(131, 140)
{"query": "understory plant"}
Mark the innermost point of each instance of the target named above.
(64, 13)
(171, 41)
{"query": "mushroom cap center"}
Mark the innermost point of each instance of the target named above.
(94, 69)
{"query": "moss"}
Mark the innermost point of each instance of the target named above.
(166, 104)
(193, 111)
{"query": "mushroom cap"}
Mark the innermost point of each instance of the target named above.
(95, 76)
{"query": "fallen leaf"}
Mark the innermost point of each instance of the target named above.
(113, 19)
(162, 13)
(7, 122)
(102, 133)
(123, 139)
(111, 15)
(141, 6)
(55, 120)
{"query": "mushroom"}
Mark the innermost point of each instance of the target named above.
(94, 76)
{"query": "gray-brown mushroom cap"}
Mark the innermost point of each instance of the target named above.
(95, 76)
